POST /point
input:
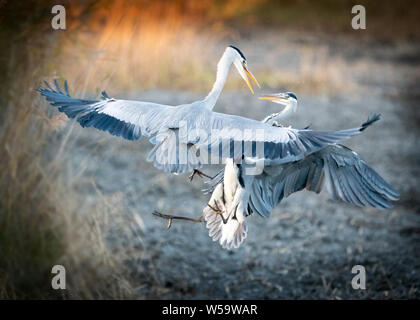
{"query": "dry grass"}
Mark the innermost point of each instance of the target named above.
(43, 222)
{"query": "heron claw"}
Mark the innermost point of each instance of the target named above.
(199, 173)
(217, 210)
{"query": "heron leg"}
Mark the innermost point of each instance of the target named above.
(171, 217)
(200, 174)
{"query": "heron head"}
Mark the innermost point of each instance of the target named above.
(283, 98)
(239, 61)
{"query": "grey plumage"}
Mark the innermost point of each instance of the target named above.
(179, 130)
(347, 178)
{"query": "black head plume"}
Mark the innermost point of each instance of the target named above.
(239, 51)
(291, 94)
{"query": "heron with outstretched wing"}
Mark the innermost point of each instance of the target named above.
(187, 136)
(236, 194)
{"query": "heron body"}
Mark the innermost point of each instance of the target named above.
(346, 176)
(228, 207)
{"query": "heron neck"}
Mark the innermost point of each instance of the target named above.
(222, 73)
(287, 111)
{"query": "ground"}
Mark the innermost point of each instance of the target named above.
(308, 246)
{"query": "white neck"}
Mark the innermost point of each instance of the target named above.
(287, 111)
(222, 73)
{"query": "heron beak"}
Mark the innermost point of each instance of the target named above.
(250, 75)
(274, 97)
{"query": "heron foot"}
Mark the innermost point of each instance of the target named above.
(217, 210)
(171, 217)
(199, 173)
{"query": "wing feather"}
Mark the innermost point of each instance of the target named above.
(125, 118)
(346, 175)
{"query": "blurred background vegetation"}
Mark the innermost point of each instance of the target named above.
(120, 46)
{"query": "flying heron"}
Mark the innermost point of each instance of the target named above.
(187, 136)
(236, 195)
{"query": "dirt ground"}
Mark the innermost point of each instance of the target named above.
(308, 246)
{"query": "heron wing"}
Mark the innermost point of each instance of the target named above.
(187, 136)
(347, 177)
(125, 118)
(200, 136)
(234, 136)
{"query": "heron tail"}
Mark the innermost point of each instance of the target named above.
(372, 119)
(231, 234)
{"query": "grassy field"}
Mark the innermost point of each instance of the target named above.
(54, 204)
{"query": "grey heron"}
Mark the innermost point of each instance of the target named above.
(187, 136)
(236, 195)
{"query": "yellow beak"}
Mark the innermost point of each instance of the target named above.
(273, 97)
(267, 98)
(253, 78)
